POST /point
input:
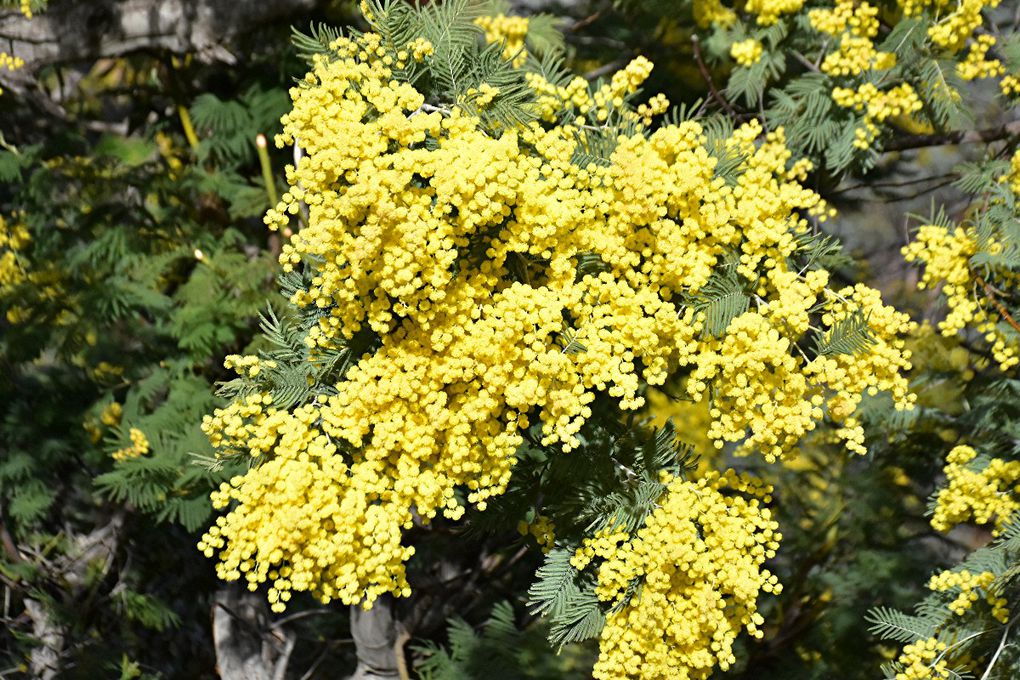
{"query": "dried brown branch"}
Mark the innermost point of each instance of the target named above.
(716, 95)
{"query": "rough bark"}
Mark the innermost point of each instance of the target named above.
(89, 557)
(379, 638)
(247, 646)
(44, 660)
(72, 31)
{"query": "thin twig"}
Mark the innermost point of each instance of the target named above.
(708, 77)
(990, 294)
(955, 137)
(299, 615)
(903, 183)
(588, 20)
(998, 651)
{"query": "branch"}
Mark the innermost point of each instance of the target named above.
(708, 78)
(990, 294)
(955, 137)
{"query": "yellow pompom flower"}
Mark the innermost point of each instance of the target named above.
(746, 52)
(986, 495)
(699, 559)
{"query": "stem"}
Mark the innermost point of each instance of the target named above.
(708, 77)
(955, 137)
(189, 129)
(267, 170)
(998, 651)
(990, 294)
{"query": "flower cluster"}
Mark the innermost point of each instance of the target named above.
(878, 106)
(854, 25)
(543, 530)
(985, 494)
(977, 64)
(465, 253)
(945, 254)
(248, 365)
(139, 446)
(969, 587)
(923, 660)
(13, 240)
(955, 27)
(699, 558)
(768, 12)
(508, 30)
(845, 48)
(746, 52)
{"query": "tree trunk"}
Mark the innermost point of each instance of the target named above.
(72, 30)
(379, 638)
(247, 646)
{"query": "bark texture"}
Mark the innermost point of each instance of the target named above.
(71, 30)
(379, 638)
(247, 646)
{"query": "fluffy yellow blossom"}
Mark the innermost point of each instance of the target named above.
(460, 250)
(483, 95)
(139, 446)
(26, 8)
(856, 18)
(542, 529)
(656, 106)
(922, 660)
(699, 559)
(746, 52)
(420, 48)
(713, 12)
(509, 30)
(768, 12)
(249, 365)
(977, 64)
(760, 387)
(13, 240)
(111, 414)
(1010, 85)
(1014, 173)
(953, 29)
(984, 494)
(969, 584)
(602, 544)
(10, 63)
(878, 106)
(854, 24)
(946, 255)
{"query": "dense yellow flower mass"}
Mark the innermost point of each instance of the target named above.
(844, 49)
(508, 30)
(855, 25)
(945, 254)
(987, 495)
(700, 555)
(925, 659)
(458, 247)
